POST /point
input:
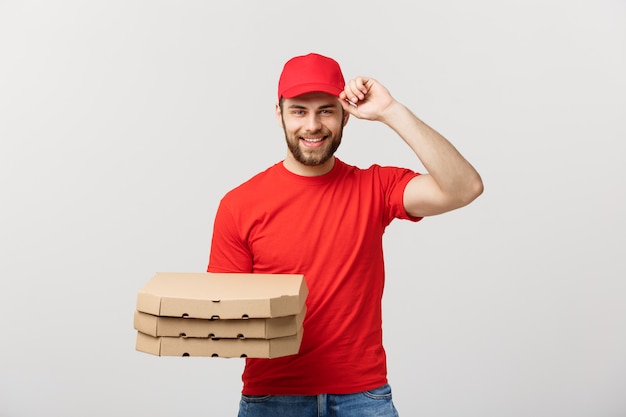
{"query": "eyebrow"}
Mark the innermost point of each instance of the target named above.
(302, 106)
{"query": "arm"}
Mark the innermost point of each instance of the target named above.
(229, 253)
(451, 181)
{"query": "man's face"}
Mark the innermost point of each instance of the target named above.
(313, 125)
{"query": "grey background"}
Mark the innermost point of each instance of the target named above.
(122, 123)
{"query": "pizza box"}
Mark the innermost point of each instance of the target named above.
(206, 295)
(222, 348)
(258, 328)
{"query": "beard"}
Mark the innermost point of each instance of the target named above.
(314, 156)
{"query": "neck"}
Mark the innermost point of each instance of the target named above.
(298, 168)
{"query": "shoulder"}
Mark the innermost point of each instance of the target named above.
(379, 171)
(253, 185)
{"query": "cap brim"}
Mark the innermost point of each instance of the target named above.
(310, 88)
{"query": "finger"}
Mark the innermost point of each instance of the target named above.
(349, 92)
(348, 106)
(355, 89)
(365, 84)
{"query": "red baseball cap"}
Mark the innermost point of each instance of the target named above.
(308, 73)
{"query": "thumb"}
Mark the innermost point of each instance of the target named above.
(348, 106)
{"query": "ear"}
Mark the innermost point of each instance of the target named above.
(346, 111)
(279, 118)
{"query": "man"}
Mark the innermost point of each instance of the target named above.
(315, 215)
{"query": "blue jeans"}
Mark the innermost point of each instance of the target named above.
(373, 403)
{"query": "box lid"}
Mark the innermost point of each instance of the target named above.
(206, 295)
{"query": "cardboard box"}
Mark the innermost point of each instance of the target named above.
(208, 295)
(267, 328)
(224, 348)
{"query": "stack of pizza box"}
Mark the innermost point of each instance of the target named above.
(221, 315)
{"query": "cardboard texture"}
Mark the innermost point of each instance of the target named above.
(268, 328)
(208, 295)
(224, 348)
(221, 315)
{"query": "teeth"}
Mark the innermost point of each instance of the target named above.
(312, 140)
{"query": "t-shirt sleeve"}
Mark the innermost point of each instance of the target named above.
(395, 181)
(229, 250)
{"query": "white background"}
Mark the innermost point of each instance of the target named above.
(122, 124)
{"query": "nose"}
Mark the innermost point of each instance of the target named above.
(313, 122)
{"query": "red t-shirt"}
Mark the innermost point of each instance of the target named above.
(330, 229)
